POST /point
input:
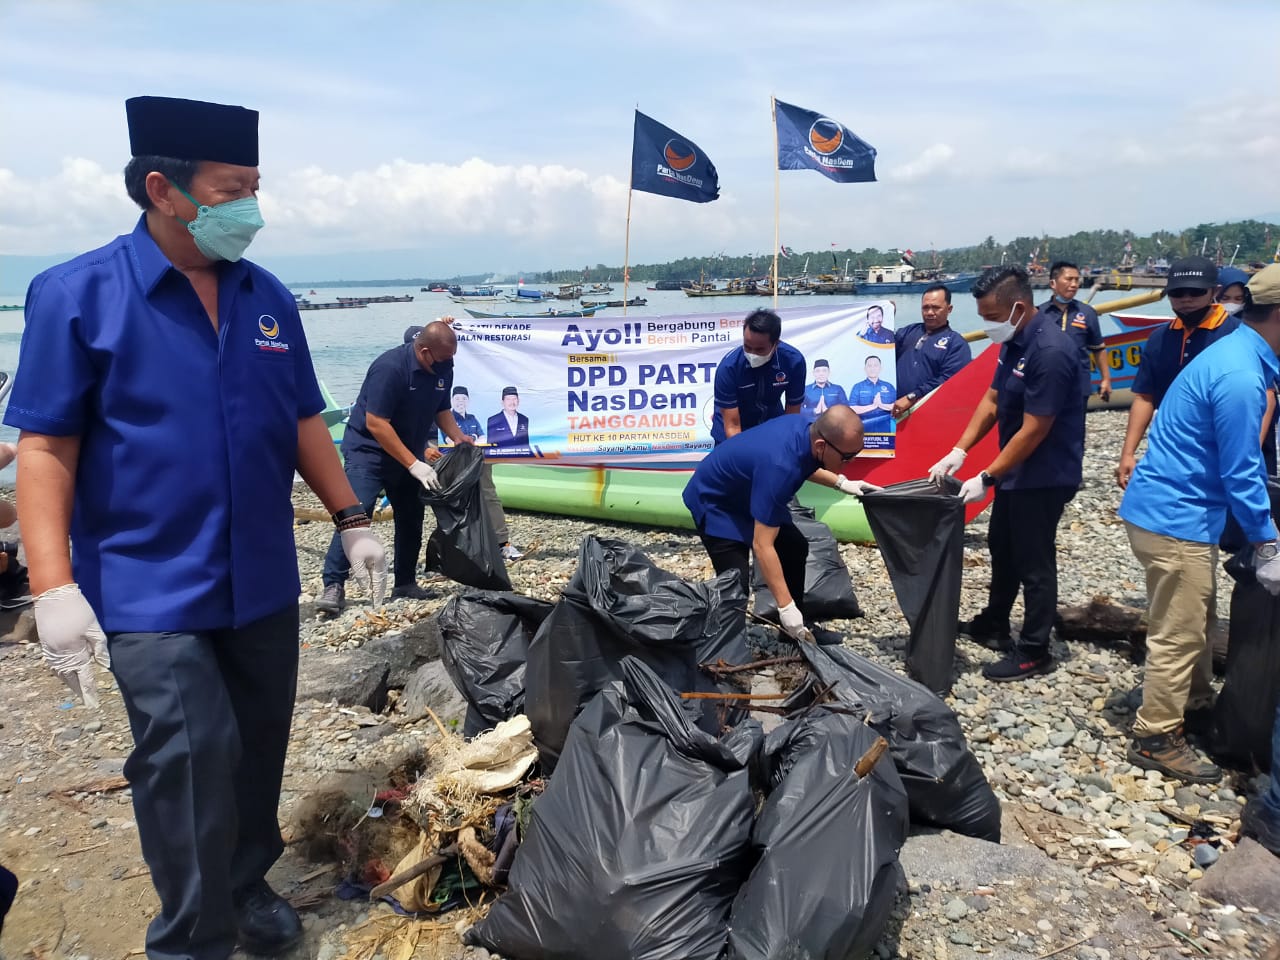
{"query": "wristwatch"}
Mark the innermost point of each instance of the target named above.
(913, 396)
(1268, 551)
(987, 479)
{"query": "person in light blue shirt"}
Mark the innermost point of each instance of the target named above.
(1203, 460)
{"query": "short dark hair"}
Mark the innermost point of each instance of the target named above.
(181, 172)
(873, 357)
(1009, 284)
(1059, 266)
(934, 288)
(766, 322)
(875, 306)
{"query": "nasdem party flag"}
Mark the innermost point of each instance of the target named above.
(810, 141)
(664, 162)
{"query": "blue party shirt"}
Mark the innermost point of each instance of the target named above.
(927, 360)
(759, 393)
(396, 388)
(865, 392)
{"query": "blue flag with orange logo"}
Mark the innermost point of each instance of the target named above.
(664, 162)
(810, 141)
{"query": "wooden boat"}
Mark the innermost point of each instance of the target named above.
(331, 305)
(478, 295)
(385, 299)
(480, 315)
(10, 306)
(633, 302)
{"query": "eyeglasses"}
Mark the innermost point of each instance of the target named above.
(1186, 293)
(844, 457)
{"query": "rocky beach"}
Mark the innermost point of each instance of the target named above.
(1098, 860)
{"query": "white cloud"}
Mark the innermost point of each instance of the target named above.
(934, 158)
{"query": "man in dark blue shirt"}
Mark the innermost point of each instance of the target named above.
(740, 494)
(760, 380)
(1080, 322)
(1197, 322)
(403, 400)
(872, 399)
(1036, 403)
(928, 353)
(874, 331)
(468, 423)
(166, 397)
(822, 393)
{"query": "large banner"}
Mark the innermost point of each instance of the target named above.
(638, 390)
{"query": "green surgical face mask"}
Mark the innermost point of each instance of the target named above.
(225, 230)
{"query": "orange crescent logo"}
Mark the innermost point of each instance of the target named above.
(679, 155)
(269, 326)
(826, 136)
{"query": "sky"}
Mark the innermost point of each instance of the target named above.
(403, 139)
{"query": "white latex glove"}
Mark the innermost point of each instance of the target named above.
(368, 559)
(425, 475)
(71, 639)
(856, 488)
(973, 489)
(792, 621)
(948, 465)
(1268, 573)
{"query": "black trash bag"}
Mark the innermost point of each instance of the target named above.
(919, 528)
(463, 546)
(828, 872)
(945, 784)
(641, 840)
(828, 589)
(620, 604)
(484, 637)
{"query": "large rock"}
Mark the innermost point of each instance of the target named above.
(1248, 876)
(404, 652)
(432, 687)
(351, 678)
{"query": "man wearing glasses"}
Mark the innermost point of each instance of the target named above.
(1198, 322)
(405, 396)
(740, 497)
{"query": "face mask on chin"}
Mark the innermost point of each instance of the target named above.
(1193, 318)
(1001, 332)
(1058, 298)
(758, 361)
(225, 230)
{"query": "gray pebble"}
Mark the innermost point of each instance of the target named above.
(956, 909)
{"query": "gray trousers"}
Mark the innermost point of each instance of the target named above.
(492, 504)
(210, 715)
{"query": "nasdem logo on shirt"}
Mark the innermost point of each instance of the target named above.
(270, 329)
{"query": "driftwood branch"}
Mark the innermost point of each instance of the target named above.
(721, 668)
(864, 765)
(699, 695)
(413, 873)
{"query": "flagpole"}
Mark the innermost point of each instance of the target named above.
(626, 255)
(777, 201)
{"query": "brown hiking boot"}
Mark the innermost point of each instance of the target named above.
(1171, 755)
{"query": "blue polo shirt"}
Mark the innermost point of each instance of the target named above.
(182, 516)
(1039, 373)
(828, 395)
(926, 360)
(865, 392)
(751, 476)
(396, 388)
(1202, 454)
(1079, 321)
(872, 335)
(759, 393)
(469, 425)
(1172, 346)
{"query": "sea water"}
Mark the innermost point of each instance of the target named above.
(344, 342)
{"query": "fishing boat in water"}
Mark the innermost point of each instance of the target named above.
(633, 302)
(478, 295)
(481, 315)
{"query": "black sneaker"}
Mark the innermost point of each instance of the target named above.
(1170, 754)
(265, 921)
(332, 599)
(1019, 665)
(980, 632)
(15, 595)
(1262, 824)
(411, 591)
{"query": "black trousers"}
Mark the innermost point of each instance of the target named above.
(210, 715)
(404, 493)
(1023, 539)
(793, 552)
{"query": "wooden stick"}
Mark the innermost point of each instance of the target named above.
(413, 873)
(92, 846)
(1062, 949)
(863, 766)
(744, 667)
(699, 695)
(104, 785)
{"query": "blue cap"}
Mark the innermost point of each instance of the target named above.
(1231, 275)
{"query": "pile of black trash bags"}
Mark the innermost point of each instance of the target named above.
(675, 828)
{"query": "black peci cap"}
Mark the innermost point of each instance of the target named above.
(192, 130)
(461, 391)
(510, 392)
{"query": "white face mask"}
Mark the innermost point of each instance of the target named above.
(758, 361)
(1000, 332)
(1231, 308)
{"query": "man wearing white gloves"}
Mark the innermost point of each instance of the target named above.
(740, 493)
(1202, 460)
(1036, 403)
(166, 396)
(406, 395)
